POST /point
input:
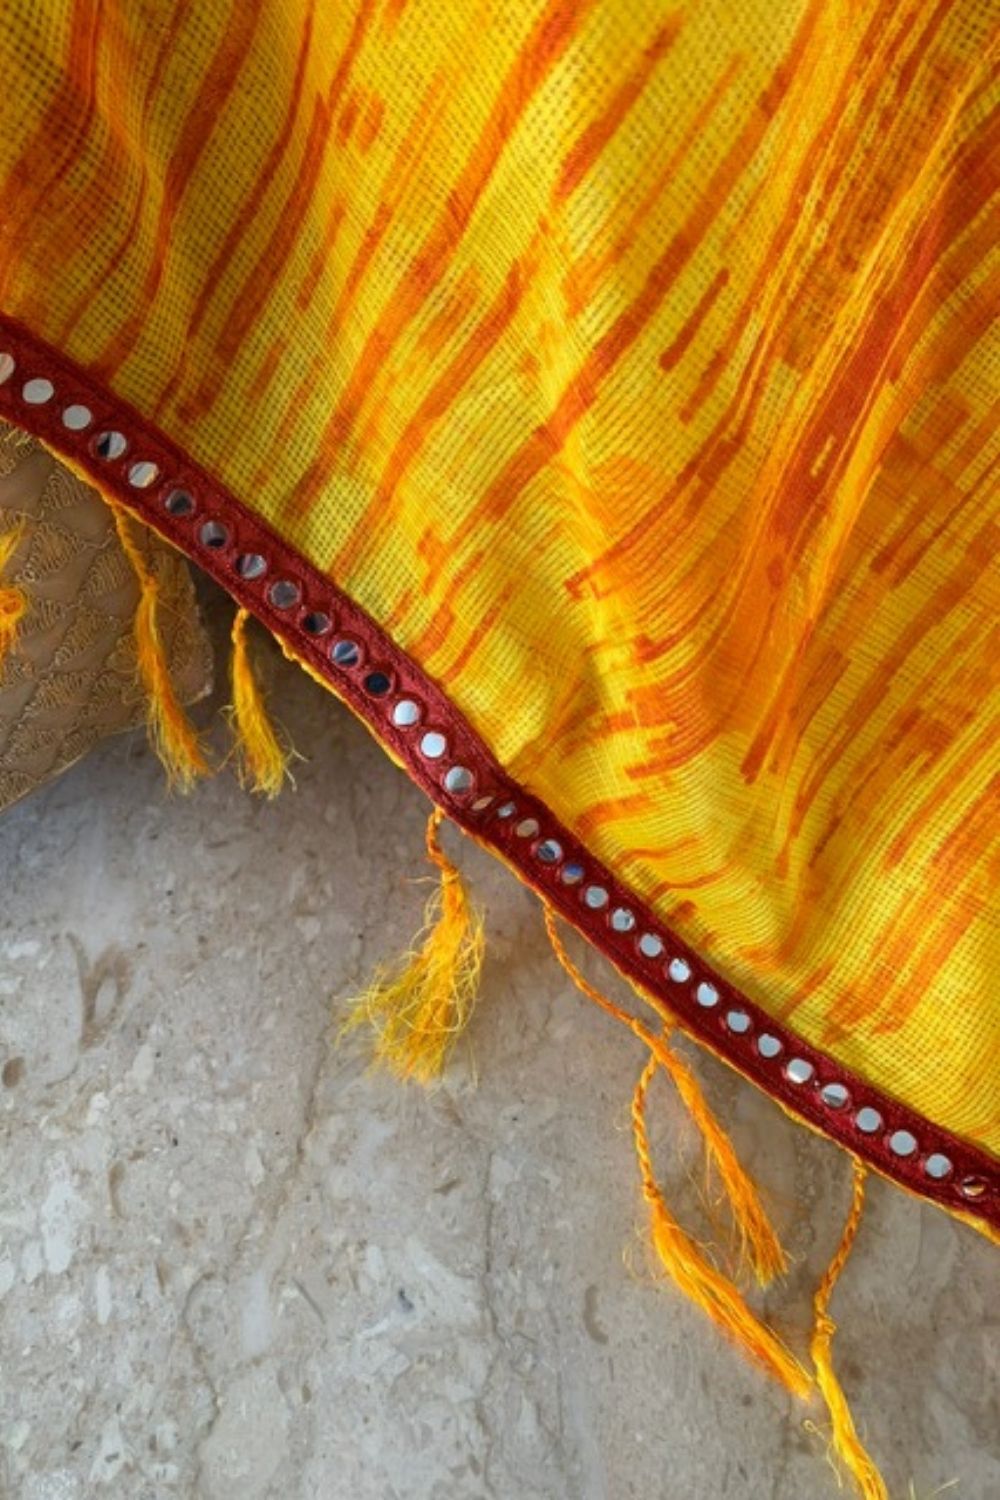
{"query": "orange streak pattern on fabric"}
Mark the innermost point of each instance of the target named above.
(635, 364)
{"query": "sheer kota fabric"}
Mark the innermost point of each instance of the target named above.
(631, 364)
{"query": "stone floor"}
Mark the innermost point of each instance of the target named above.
(235, 1265)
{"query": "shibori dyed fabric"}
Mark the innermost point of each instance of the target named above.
(600, 395)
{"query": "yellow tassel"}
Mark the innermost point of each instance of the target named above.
(758, 1241)
(263, 758)
(418, 1009)
(845, 1441)
(13, 599)
(696, 1277)
(172, 734)
(759, 1244)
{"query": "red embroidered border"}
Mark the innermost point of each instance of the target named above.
(39, 384)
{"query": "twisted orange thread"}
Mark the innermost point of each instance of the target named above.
(171, 731)
(262, 756)
(696, 1277)
(845, 1441)
(706, 1286)
(758, 1241)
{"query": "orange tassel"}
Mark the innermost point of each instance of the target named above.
(697, 1278)
(759, 1244)
(418, 1009)
(264, 760)
(758, 1241)
(13, 599)
(689, 1269)
(845, 1441)
(170, 730)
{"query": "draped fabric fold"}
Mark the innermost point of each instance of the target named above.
(600, 395)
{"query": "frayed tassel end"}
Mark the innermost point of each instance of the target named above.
(171, 732)
(264, 761)
(760, 1247)
(759, 1244)
(697, 1278)
(13, 600)
(701, 1281)
(417, 1010)
(845, 1444)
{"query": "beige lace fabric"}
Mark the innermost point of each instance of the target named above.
(70, 679)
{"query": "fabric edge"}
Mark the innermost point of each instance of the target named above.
(119, 451)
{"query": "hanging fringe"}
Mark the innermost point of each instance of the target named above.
(758, 1242)
(696, 1277)
(417, 1010)
(171, 731)
(263, 759)
(702, 1282)
(13, 599)
(846, 1444)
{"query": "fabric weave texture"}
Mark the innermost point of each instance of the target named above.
(634, 366)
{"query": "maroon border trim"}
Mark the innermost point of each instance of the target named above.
(124, 454)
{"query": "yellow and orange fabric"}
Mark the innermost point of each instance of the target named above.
(632, 367)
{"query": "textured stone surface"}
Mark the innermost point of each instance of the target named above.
(236, 1266)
